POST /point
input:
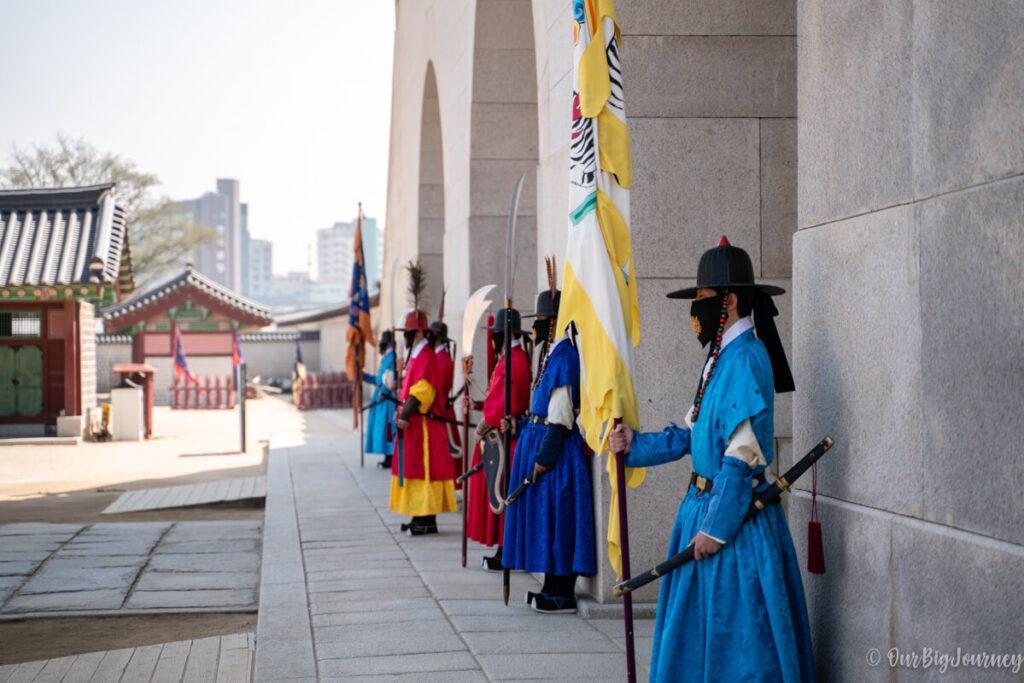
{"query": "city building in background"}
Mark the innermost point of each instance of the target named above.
(220, 260)
(260, 269)
(244, 232)
(334, 253)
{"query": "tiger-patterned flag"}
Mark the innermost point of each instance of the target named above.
(599, 282)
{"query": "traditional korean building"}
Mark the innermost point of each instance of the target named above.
(62, 251)
(207, 313)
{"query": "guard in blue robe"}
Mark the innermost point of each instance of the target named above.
(380, 423)
(738, 611)
(550, 527)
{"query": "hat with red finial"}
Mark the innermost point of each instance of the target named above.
(725, 266)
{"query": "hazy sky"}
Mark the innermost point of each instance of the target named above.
(292, 98)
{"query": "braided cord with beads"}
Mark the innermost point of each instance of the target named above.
(546, 352)
(714, 356)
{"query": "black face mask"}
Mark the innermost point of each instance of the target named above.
(384, 347)
(498, 339)
(410, 337)
(704, 316)
(541, 329)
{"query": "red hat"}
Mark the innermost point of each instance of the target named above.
(414, 320)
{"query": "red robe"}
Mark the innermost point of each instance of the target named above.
(482, 525)
(426, 462)
(446, 374)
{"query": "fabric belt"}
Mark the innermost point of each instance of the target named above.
(535, 419)
(704, 485)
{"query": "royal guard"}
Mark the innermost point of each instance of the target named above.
(485, 504)
(380, 423)
(549, 527)
(422, 469)
(437, 335)
(738, 611)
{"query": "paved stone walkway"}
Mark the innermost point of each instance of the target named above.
(220, 659)
(345, 596)
(187, 495)
(128, 567)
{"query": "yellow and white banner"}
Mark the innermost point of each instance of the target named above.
(599, 282)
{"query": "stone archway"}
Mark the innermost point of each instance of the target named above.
(503, 144)
(430, 229)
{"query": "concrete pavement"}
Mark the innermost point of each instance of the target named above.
(344, 595)
(128, 568)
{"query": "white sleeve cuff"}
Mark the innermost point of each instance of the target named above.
(743, 446)
(560, 410)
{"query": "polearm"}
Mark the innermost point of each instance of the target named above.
(360, 419)
(429, 415)
(769, 496)
(627, 599)
(510, 241)
(475, 307)
(461, 479)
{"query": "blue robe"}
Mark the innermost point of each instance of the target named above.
(550, 528)
(380, 421)
(740, 614)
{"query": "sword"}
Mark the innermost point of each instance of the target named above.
(769, 496)
(510, 242)
(518, 492)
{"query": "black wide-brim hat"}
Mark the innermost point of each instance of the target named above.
(440, 330)
(547, 304)
(499, 322)
(725, 266)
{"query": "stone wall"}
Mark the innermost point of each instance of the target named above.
(108, 354)
(908, 316)
(270, 357)
(482, 91)
(710, 90)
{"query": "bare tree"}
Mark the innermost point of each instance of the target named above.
(163, 238)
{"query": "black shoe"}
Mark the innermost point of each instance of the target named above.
(385, 464)
(421, 529)
(492, 564)
(548, 604)
(530, 597)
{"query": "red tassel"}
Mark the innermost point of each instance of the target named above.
(815, 547)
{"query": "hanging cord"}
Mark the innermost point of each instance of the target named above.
(714, 356)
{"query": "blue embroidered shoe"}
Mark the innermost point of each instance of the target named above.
(549, 604)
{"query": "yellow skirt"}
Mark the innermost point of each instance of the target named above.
(420, 497)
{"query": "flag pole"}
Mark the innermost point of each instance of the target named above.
(627, 599)
(357, 406)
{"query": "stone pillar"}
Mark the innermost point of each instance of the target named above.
(908, 318)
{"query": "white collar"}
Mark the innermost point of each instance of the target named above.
(739, 327)
(515, 343)
(440, 347)
(419, 347)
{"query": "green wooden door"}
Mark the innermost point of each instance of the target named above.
(21, 381)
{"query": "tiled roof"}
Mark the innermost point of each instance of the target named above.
(193, 280)
(49, 236)
(279, 336)
(113, 339)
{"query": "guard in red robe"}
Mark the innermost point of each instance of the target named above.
(437, 335)
(422, 469)
(482, 525)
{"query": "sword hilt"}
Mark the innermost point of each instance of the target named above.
(470, 472)
(518, 492)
